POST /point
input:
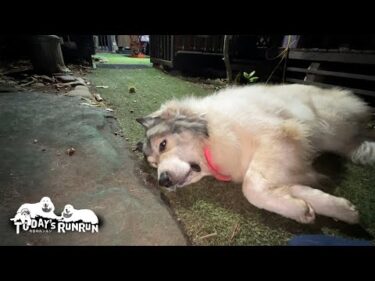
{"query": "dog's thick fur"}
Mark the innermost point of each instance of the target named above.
(265, 137)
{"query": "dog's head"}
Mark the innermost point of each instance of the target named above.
(68, 211)
(173, 144)
(25, 212)
(47, 205)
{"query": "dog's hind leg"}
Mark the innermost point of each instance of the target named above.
(326, 204)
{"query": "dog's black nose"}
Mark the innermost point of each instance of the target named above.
(164, 179)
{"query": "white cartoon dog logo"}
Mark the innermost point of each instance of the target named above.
(27, 211)
(73, 215)
(24, 216)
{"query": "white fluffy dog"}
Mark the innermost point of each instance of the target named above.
(45, 209)
(73, 215)
(265, 137)
(24, 216)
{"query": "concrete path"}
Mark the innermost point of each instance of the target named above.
(98, 176)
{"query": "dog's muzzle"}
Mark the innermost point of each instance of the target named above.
(66, 215)
(46, 209)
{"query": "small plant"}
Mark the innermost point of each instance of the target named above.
(250, 78)
(244, 78)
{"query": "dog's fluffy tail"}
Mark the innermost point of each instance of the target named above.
(364, 154)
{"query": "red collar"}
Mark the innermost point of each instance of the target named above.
(214, 169)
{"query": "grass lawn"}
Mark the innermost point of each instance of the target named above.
(122, 59)
(215, 213)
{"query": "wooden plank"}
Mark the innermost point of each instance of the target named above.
(198, 53)
(153, 45)
(161, 61)
(160, 47)
(245, 61)
(333, 73)
(324, 85)
(165, 46)
(332, 57)
(172, 48)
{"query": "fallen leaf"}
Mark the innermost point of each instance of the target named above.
(70, 151)
(98, 97)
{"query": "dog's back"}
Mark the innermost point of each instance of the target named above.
(303, 102)
(321, 111)
(240, 116)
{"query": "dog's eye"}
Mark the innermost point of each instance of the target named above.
(162, 145)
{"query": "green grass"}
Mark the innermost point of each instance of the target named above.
(122, 59)
(219, 209)
(153, 87)
(358, 185)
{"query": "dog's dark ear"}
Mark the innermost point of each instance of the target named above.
(148, 121)
(139, 146)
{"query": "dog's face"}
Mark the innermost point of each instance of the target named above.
(68, 211)
(173, 145)
(24, 216)
(25, 212)
(47, 205)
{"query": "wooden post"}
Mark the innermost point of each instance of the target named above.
(172, 48)
(47, 56)
(226, 58)
(312, 77)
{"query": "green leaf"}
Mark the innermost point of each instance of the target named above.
(253, 79)
(252, 73)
